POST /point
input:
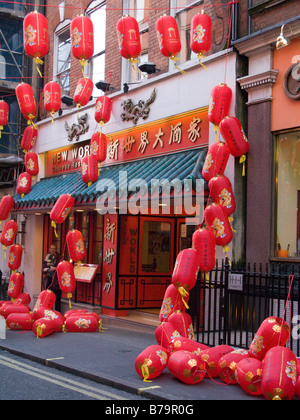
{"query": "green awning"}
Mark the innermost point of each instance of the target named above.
(181, 166)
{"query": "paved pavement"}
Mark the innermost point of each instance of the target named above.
(108, 357)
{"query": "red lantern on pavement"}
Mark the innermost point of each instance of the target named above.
(235, 138)
(128, 33)
(279, 374)
(61, 210)
(46, 299)
(183, 323)
(204, 243)
(23, 299)
(273, 331)
(168, 37)
(165, 333)
(82, 323)
(9, 232)
(200, 41)
(172, 301)
(212, 356)
(26, 101)
(184, 343)
(83, 92)
(52, 98)
(82, 38)
(6, 205)
(57, 318)
(43, 327)
(31, 164)
(20, 321)
(36, 39)
(29, 138)
(66, 278)
(219, 105)
(15, 309)
(221, 193)
(89, 169)
(75, 245)
(185, 272)
(216, 160)
(4, 109)
(98, 147)
(217, 220)
(14, 257)
(15, 286)
(103, 110)
(24, 184)
(186, 366)
(248, 373)
(151, 362)
(227, 365)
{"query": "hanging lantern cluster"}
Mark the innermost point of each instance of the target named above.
(89, 169)
(52, 98)
(128, 34)
(26, 101)
(82, 39)
(83, 92)
(61, 210)
(29, 138)
(200, 39)
(4, 110)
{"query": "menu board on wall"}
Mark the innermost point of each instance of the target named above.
(85, 272)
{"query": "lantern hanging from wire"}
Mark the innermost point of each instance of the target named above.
(15, 285)
(83, 92)
(52, 98)
(4, 110)
(89, 169)
(14, 257)
(200, 40)
(31, 161)
(221, 193)
(103, 109)
(61, 210)
(75, 246)
(172, 301)
(187, 367)
(24, 184)
(216, 160)
(36, 38)
(98, 147)
(66, 278)
(219, 106)
(129, 39)
(6, 205)
(217, 220)
(151, 362)
(82, 39)
(29, 138)
(26, 102)
(9, 231)
(204, 243)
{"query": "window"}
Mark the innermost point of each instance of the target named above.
(156, 247)
(288, 195)
(62, 57)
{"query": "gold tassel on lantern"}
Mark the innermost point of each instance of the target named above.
(38, 61)
(183, 293)
(53, 224)
(174, 59)
(145, 373)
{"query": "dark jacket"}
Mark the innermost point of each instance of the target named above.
(51, 276)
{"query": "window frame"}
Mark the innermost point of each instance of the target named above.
(62, 28)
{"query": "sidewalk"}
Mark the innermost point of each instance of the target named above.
(108, 357)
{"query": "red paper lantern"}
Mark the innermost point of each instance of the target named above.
(24, 184)
(172, 301)
(248, 373)
(186, 366)
(89, 169)
(217, 220)
(52, 98)
(20, 321)
(168, 37)
(4, 109)
(183, 323)
(6, 205)
(46, 299)
(23, 299)
(66, 278)
(61, 210)
(185, 272)
(26, 101)
(98, 147)
(14, 257)
(221, 193)
(200, 42)
(29, 138)
(43, 327)
(31, 163)
(15, 286)
(75, 246)
(103, 108)
(151, 362)
(36, 39)
(82, 323)
(83, 92)
(215, 160)
(220, 100)
(184, 343)
(273, 331)
(165, 333)
(227, 365)
(212, 356)
(279, 374)
(71, 312)
(204, 243)
(82, 38)
(4, 306)
(15, 309)
(128, 33)
(57, 318)
(9, 232)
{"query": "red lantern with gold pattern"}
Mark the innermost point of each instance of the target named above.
(89, 169)
(15, 309)
(151, 362)
(200, 41)
(279, 374)
(6, 205)
(172, 301)
(248, 373)
(61, 210)
(103, 109)
(31, 161)
(24, 184)
(185, 272)
(204, 243)
(227, 365)
(217, 220)
(43, 327)
(66, 278)
(14, 257)
(168, 36)
(9, 232)
(212, 356)
(82, 323)
(183, 323)
(15, 286)
(220, 101)
(75, 245)
(20, 321)
(221, 193)
(83, 92)
(57, 318)
(165, 333)
(273, 331)
(98, 147)
(4, 109)
(26, 101)
(46, 299)
(128, 33)
(216, 160)
(29, 138)
(184, 343)
(52, 98)
(82, 38)
(23, 299)
(186, 366)
(36, 38)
